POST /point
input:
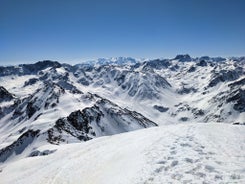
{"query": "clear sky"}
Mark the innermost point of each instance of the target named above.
(76, 30)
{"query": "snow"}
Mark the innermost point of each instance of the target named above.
(183, 153)
(176, 152)
(14, 84)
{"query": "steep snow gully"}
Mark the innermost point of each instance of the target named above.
(121, 120)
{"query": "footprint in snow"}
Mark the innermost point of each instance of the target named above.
(189, 160)
(162, 162)
(173, 148)
(185, 145)
(210, 168)
(173, 152)
(177, 176)
(200, 174)
(174, 163)
(158, 170)
(170, 158)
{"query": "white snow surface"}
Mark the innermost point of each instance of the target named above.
(183, 153)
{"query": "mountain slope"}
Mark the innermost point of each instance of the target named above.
(184, 153)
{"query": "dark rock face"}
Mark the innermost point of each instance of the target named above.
(31, 109)
(121, 78)
(202, 63)
(185, 90)
(80, 120)
(80, 124)
(135, 66)
(192, 69)
(197, 112)
(183, 58)
(224, 75)
(84, 81)
(31, 82)
(238, 98)
(5, 95)
(77, 124)
(60, 79)
(183, 107)
(41, 65)
(46, 97)
(237, 84)
(27, 69)
(184, 119)
(41, 153)
(19, 145)
(157, 64)
(66, 85)
(203, 58)
(9, 70)
(161, 108)
(6, 110)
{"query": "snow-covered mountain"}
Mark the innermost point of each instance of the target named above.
(46, 105)
(111, 61)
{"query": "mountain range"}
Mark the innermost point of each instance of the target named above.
(48, 107)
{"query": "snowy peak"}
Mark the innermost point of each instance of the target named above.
(44, 98)
(103, 118)
(183, 58)
(118, 61)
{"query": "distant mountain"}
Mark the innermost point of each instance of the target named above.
(111, 61)
(183, 58)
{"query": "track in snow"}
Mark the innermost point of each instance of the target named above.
(187, 153)
(185, 160)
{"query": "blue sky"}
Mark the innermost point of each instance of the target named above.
(73, 30)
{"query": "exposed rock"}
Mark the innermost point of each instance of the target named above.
(185, 90)
(5, 95)
(224, 75)
(41, 153)
(31, 109)
(28, 69)
(183, 58)
(202, 63)
(84, 81)
(197, 112)
(157, 64)
(238, 98)
(103, 118)
(184, 119)
(31, 82)
(161, 108)
(19, 145)
(192, 69)
(237, 84)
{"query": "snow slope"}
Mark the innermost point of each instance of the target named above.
(183, 153)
